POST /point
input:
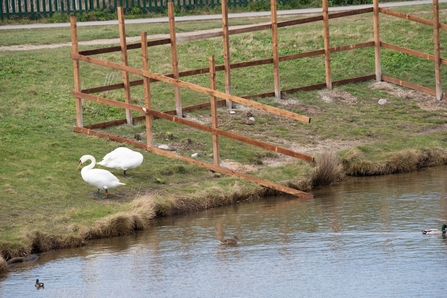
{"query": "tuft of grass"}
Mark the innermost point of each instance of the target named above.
(3, 265)
(328, 170)
(356, 164)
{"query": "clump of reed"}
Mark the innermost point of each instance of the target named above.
(3, 265)
(41, 242)
(404, 161)
(142, 211)
(212, 197)
(327, 170)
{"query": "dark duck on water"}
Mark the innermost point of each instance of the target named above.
(39, 285)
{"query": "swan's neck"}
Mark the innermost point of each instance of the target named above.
(92, 164)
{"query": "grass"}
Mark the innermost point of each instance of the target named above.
(46, 204)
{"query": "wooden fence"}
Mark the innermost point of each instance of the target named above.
(35, 9)
(226, 98)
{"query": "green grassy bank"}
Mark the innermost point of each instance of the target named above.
(47, 205)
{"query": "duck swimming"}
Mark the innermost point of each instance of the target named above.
(98, 177)
(230, 241)
(39, 285)
(122, 158)
(435, 231)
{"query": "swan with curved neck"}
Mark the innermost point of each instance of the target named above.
(101, 179)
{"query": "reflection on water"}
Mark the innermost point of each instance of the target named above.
(361, 238)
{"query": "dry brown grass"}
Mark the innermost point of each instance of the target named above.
(328, 169)
(142, 211)
(355, 163)
(211, 197)
(3, 265)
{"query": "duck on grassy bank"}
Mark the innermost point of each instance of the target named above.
(122, 158)
(98, 177)
(435, 231)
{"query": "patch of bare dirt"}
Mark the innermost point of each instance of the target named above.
(424, 101)
(337, 96)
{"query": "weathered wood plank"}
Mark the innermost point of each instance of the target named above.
(437, 49)
(175, 70)
(226, 51)
(214, 113)
(405, 16)
(275, 50)
(377, 61)
(408, 85)
(124, 61)
(147, 87)
(76, 70)
(326, 40)
(131, 46)
(407, 51)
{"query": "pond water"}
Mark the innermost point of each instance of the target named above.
(361, 238)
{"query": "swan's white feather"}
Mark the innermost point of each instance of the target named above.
(122, 158)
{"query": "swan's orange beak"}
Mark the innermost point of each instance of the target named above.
(79, 165)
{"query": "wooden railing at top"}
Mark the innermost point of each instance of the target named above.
(174, 78)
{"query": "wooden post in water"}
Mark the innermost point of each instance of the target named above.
(147, 88)
(175, 72)
(276, 78)
(124, 62)
(76, 70)
(377, 42)
(327, 53)
(226, 49)
(214, 118)
(437, 50)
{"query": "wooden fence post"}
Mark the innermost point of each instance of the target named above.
(147, 88)
(124, 62)
(175, 71)
(76, 71)
(377, 42)
(226, 49)
(437, 53)
(214, 118)
(327, 53)
(276, 80)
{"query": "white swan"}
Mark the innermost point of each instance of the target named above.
(122, 158)
(435, 231)
(98, 177)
